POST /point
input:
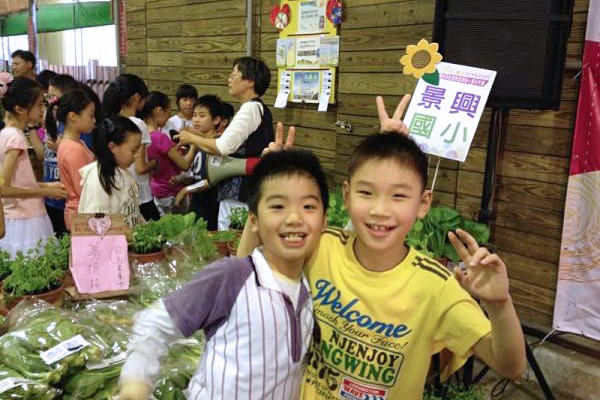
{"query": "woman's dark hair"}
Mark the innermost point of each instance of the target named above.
(64, 82)
(255, 70)
(120, 90)
(43, 78)
(72, 101)
(114, 129)
(155, 99)
(22, 92)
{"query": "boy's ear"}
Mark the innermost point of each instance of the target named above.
(324, 223)
(346, 194)
(253, 218)
(216, 120)
(425, 203)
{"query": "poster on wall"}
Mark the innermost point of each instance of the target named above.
(286, 53)
(307, 51)
(306, 85)
(443, 118)
(329, 51)
(311, 18)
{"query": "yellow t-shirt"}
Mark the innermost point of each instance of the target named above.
(375, 332)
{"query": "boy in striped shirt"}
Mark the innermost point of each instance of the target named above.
(256, 312)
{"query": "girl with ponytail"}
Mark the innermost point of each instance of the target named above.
(108, 186)
(126, 96)
(75, 110)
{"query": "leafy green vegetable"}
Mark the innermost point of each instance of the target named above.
(177, 370)
(430, 234)
(337, 214)
(224, 236)
(237, 218)
(154, 235)
(27, 390)
(32, 274)
(4, 264)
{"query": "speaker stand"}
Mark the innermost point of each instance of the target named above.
(486, 215)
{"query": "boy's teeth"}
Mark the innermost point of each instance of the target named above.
(293, 237)
(379, 228)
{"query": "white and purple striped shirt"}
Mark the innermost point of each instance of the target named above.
(256, 341)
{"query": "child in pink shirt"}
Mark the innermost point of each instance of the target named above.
(171, 161)
(76, 110)
(26, 220)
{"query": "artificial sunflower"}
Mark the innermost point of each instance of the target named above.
(420, 59)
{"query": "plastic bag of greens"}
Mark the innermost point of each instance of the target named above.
(177, 369)
(47, 344)
(14, 387)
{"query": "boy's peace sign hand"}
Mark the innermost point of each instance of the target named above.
(393, 124)
(485, 277)
(278, 145)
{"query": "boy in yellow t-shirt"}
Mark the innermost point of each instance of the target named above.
(382, 309)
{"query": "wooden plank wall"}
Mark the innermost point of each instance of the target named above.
(193, 41)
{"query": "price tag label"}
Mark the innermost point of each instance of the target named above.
(64, 349)
(10, 383)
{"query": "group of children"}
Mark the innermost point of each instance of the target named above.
(304, 311)
(117, 156)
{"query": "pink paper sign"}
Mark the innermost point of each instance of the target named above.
(99, 264)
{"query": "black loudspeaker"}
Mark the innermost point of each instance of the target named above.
(524, 40)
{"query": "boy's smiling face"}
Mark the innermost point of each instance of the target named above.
(384, 198)
(289, 221)
(203, 121)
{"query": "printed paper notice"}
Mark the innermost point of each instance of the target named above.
(306, 86)
(329, 51)
(286, 53)
(307, 52)
(311, 17)
(443, 118)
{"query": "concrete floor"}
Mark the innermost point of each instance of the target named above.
(571, 376)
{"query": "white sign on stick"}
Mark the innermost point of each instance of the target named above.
(443, 118)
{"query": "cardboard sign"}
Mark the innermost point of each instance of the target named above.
(99, 260)
(443, 118)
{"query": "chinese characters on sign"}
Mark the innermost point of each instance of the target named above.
(443, 119)
(99, 254)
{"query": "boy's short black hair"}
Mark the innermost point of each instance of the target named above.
(286, 163)
(25, 55)
(390, 146)
(255, 70)
(211, 102)
(186, 91)
(64, 82)
(227, 111)
(43, 78)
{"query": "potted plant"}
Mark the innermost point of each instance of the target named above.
(148, 241)
(222, 238)
(430, 234)
(232, 246)
(33, 276)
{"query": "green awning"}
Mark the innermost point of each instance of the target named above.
(60, 17)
